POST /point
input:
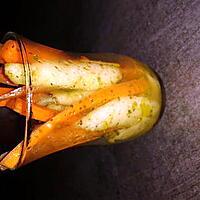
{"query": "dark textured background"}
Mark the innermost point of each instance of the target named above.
(164, 164)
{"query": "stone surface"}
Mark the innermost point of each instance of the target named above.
(165, 163)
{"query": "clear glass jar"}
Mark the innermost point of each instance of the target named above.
(126, 108)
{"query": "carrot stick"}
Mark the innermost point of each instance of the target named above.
(10, 52)
(39, 112)
(13, 93)
(5, 90)
(67, 136)
(19, 105)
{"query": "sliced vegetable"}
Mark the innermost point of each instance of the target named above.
(69, 97)
(69, 74)
(10, 52)
(121, 113)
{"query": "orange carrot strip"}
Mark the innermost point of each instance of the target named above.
(13, 93)
(65, 137)
(19, 105)
(39, 112)
(5, 90)
(10, 52)
(3, 103)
